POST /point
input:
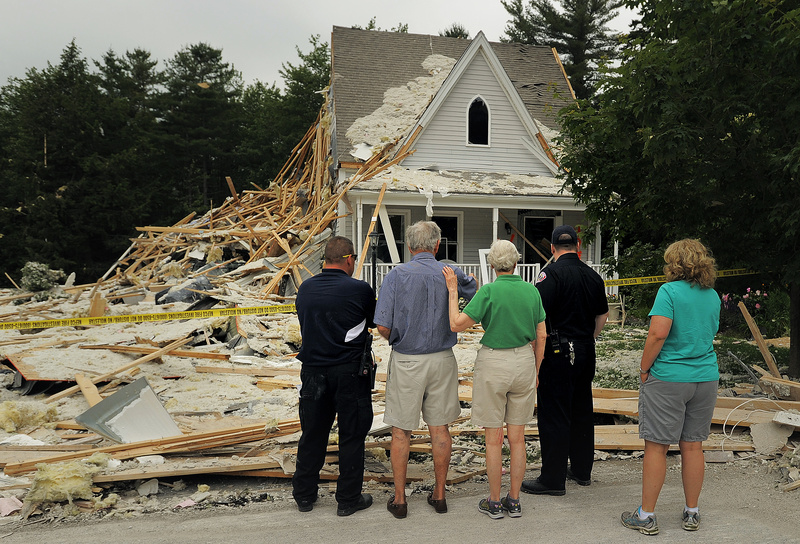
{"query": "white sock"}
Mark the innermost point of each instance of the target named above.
(694, 510)
(644, 515)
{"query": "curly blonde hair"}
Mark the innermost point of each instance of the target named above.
(689, 260)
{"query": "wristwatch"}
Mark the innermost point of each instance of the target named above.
(642, 371)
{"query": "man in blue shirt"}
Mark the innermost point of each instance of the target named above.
(335, 312)
(412, 314)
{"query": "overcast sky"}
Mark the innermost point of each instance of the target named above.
(256, 36)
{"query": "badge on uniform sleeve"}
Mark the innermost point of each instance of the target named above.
(541, 277)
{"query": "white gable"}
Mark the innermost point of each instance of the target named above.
(513, 146)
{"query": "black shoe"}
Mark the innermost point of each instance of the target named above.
(571, 476)
(535, 487)
(305, 505)
(363, 503)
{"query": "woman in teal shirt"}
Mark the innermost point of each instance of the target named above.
(679, 380)
(504, 381)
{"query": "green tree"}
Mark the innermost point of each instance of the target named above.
(202, 113)
(697, 133)
(455, 30)
(373, 25)
(58, 206)
(264, 145)
(578, 31)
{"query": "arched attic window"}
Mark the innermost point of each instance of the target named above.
(478, 122)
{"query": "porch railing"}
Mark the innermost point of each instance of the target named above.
(528, 272)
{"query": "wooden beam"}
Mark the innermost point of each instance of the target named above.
(762, 346)
(88, 389)
(174, 353)
(372, 222)
(536, 249)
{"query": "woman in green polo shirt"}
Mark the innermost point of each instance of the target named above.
(504, 381)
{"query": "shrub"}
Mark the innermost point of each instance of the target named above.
(770, 311)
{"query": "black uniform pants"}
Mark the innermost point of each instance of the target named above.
(565, 414)
(325, 393)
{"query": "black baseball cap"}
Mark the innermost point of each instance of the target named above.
(564, 235)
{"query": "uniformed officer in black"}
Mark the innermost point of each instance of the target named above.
(335, 312)
(575, 302)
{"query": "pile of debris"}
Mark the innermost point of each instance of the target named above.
(129, 389)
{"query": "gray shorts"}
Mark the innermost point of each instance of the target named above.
(504, 386)
(427, 382)
(670, 412)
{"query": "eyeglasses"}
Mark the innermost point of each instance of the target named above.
(353, 255)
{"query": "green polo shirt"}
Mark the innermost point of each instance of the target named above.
(509, 309)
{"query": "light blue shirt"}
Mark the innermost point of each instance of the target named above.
(413, 303)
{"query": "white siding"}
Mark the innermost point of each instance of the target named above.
(443, 143)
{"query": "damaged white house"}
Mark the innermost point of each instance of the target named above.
(479, 116)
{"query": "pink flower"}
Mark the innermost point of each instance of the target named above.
(748, 289)
(758, 306)
(745, 296)
(758, 293)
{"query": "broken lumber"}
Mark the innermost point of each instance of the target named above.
(762, 346)
(177, 444)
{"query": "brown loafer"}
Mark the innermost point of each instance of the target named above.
(398, 510)
(440, 505)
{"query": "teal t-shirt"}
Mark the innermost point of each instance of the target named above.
(509, 309)
(688, 352)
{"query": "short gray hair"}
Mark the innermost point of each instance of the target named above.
(423, 236)
(503, 256)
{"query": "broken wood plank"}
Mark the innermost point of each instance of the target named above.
(372, 222)
(88, 389)
(267, 372)
(762, 346)
(184, 468)
(147, 350)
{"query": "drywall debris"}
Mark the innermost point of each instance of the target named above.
(9, 505)
(132, 414)
(769, 437)
(150, 487)
(790, 418)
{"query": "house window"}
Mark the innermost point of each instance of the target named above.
(478, 122)
(448, 247)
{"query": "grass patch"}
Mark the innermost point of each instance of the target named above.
(613, 378)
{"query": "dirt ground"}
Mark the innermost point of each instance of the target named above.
(747, 489)
(740, 503)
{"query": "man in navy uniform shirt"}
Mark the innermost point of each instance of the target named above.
(335, 313)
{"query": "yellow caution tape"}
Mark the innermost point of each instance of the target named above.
(662, 279)
(141, 318)
(260, 310)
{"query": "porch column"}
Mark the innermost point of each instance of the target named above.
(495, 213)
(359, 238)
(598, 242)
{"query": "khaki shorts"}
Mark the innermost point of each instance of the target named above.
(504, 386)
(670, 412)
(427, 382)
